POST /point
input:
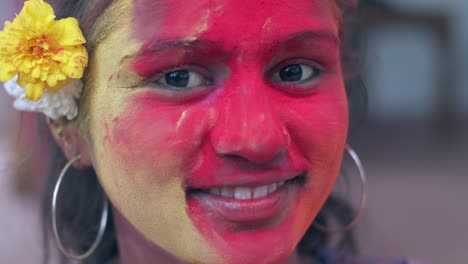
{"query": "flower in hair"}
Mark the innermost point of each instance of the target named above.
(41, 54)
(53, 105)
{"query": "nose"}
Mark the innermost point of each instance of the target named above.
(247, 127)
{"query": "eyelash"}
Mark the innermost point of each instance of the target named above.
(202, 78)
(190, 72)
(306, 66)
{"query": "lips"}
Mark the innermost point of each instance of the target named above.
(247, 204)
(218, 176)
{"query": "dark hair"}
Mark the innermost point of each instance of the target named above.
(80, 212)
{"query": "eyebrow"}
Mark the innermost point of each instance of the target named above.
(159, 46)
(319, 35)
(207, 44)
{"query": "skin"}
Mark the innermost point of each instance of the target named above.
(149, 143)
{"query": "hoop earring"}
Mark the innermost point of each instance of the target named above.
(102, 225)
(362, 205)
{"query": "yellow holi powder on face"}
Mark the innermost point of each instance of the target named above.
(149, 196)
(160, 215)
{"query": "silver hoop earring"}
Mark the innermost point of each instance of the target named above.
(102, 225)
(362, 205)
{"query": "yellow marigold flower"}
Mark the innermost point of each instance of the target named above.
(45, 53)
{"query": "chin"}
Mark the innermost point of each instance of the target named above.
(264, 229)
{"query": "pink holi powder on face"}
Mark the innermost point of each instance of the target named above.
(247, 118)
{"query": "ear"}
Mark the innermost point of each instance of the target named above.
(71, 141)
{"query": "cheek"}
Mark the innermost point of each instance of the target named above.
(318, 126)
(149, 136)
(318, 129)
(141, 157)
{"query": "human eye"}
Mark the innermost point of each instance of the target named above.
(295, 73)
(183, 80)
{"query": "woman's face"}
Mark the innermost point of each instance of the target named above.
(217, 126)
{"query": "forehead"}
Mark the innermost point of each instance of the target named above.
(230, 20)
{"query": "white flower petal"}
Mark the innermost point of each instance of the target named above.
(53, 105)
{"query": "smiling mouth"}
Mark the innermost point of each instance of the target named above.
(245, 205)
(247, 192)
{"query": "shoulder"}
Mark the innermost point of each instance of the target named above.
(336, 257)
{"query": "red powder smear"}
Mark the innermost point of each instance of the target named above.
(256, 245)
(148, 129)
(149, 133)
(148, 63)
(246, 31)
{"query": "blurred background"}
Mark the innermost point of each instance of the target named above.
(414, 142)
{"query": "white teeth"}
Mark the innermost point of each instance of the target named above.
(242, 193)
(246, 193)
(260, 192)
(227, 192)
(272, 188)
